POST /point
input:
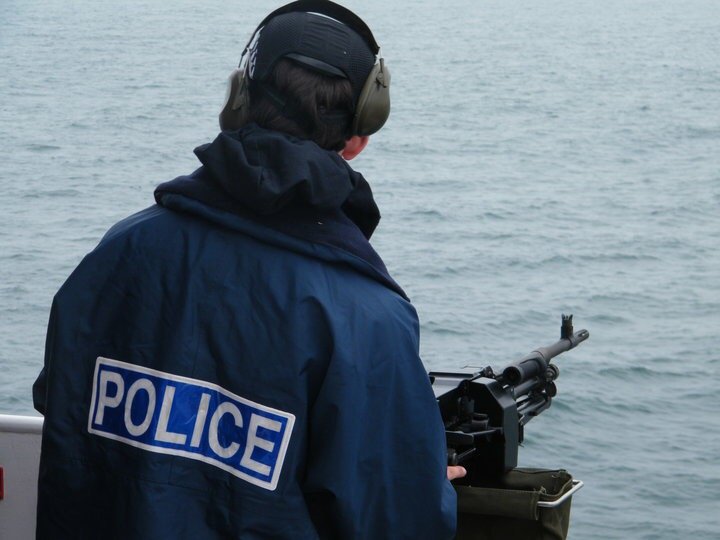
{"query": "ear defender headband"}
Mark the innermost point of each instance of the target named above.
(321, 36)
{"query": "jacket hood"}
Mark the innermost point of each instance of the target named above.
(254, 179)
(268, 171)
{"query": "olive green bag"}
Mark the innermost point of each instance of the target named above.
(527, 504)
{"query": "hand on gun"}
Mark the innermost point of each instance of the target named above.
(455, 471)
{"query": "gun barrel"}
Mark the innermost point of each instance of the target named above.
(562, 345)
(536, 363)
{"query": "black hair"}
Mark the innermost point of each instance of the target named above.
(317, 107)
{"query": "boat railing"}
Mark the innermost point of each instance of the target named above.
(20, 438)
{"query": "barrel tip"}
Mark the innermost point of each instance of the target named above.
(566, 328)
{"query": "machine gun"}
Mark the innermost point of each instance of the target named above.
(485, 413)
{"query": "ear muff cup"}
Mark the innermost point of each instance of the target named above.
(373, 106)
(237, 102)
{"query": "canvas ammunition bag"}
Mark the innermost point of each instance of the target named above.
(510, 510)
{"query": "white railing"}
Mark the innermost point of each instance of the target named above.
(20, 424)
(20, 438)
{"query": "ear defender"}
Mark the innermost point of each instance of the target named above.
(237, 101)
(299, 31)
(373, 106)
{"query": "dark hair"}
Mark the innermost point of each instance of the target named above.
(314, 101)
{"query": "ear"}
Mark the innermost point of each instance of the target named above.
(353, 146)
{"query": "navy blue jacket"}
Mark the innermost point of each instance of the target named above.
(236, 362)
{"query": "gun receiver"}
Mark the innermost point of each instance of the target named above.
(485, 413)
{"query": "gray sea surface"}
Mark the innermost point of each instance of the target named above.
(541, 158)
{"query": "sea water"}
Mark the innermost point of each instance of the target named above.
(541, 158)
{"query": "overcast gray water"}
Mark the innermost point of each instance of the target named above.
(542, 157)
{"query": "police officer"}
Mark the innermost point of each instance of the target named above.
(235, 361)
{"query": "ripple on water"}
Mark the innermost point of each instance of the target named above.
(36, 147)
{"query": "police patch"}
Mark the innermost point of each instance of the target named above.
(169, 414)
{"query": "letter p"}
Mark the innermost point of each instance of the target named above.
(105, 400)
